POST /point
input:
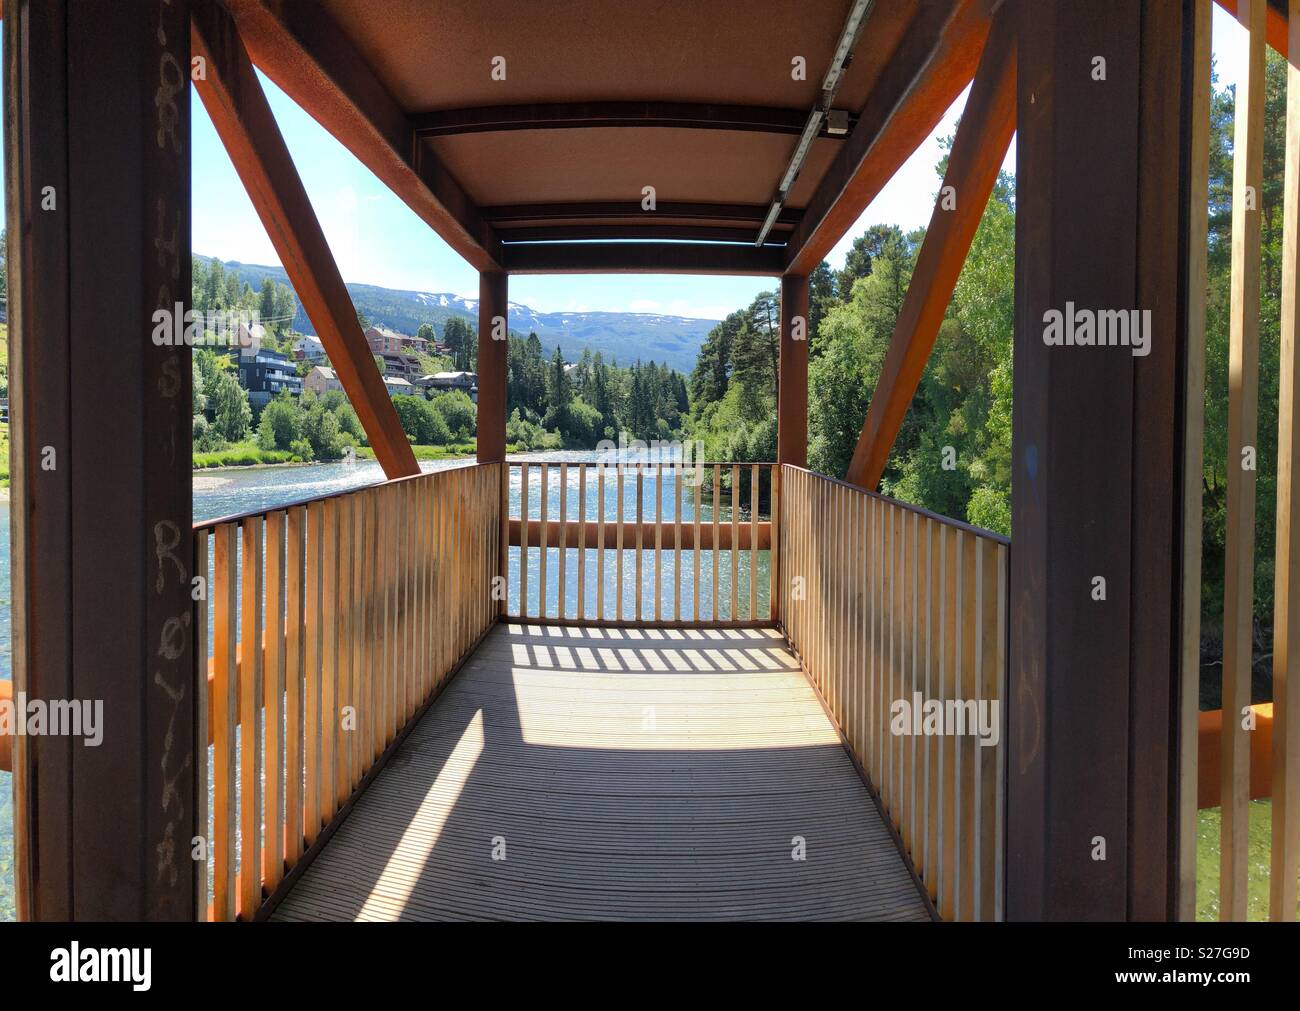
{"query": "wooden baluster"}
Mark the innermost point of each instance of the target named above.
(202, 723)
(313, 666)
(562, 590)
(938, 641)
(775, 481)
(329, 658)
(929, 782)
(717, 486)
(544, 499)
(640, 537)
(659, 539)
(1243, 408)
(600, 543)
(273, 702)
(384, 679)
(582, 542)
(440, 591)
(619, 544)
(988, 677)
(1000, 676)
(914, 664)
(735, 542)
(250, 719)
(295, 744)
(876, 573)
(1285, 759)
(967, 743)
(403, 546)
(414, 563)
(523, 541)
(343, 697)
(677, 543)
(952, 656)
(695, 546)
(373, 608)
(224, 700)
(753, 542)
(360, 634)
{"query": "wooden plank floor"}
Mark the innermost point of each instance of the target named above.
(576, 773)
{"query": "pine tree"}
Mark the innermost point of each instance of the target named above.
(559, 391)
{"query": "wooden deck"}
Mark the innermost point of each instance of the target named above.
(582, 773)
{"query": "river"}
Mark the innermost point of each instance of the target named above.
(228, 492)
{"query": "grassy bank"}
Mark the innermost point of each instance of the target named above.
(243, 454)
(1259, 844)
(249, 454)
(452, 451)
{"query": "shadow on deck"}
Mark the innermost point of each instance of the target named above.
(585, 773)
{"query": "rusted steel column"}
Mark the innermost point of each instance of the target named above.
(1092, 700)
(98, 204)
(792, 373)
(493, 342)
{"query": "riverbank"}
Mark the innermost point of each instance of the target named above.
(452, 451)
(246, 457)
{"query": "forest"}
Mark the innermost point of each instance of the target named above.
(552, 403)
(965, 396)
(964, 400)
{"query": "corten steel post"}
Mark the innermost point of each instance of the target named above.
(792, 373)
(243, 120)
(987, 123)
(493, 342)
(1092, 701)
(97, 199)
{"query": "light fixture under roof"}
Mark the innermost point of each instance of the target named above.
(837, 119)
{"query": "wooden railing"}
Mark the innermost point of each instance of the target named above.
(885, 603)
(1257, 755)
(325, 628)
(655, 543)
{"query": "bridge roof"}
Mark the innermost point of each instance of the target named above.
(526, 134)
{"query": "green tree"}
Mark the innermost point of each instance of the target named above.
(230, 406)
(458, 412)
(421, 422)
(281, 423)
(320, 428)
(458, 336)
(266, 302)
(559, 391)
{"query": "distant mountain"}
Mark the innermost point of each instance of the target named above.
(621, 336)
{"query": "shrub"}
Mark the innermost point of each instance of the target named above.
(321, 429)
(459, 412)
(301, 449)
(281, 424)
(420, 421)
(349, 423)
(206, 437)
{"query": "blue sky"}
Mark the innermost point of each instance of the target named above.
(376, 239)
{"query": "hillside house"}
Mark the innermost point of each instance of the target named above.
(321, 379)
